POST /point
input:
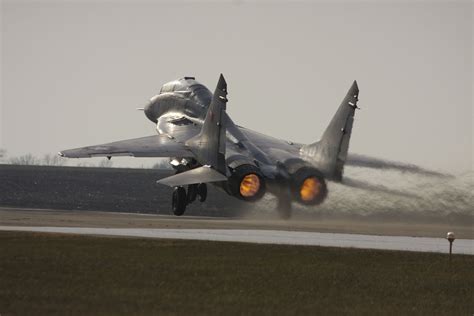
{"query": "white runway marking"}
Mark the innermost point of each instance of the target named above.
(421, 244)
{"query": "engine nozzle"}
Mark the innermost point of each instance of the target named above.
(310, 189)
(308, 186)
(246, 183)
(250, 185)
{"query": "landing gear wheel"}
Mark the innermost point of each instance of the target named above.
(202, 191)
(179, 201)
(192, 193)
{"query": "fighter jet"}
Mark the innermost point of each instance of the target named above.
(206, 147)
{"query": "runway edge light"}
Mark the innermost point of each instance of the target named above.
(450, 237)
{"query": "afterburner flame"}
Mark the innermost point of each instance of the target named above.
(310, 189)
(250, 185)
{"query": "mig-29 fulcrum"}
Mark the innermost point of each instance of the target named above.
(206, 147)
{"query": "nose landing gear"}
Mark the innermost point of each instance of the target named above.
(181, 198)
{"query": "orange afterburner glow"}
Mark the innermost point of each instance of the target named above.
(250, 185)
(310, 189)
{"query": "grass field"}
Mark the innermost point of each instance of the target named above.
(63, 274)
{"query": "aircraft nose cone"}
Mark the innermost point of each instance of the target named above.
(146, 105)
(151, 109)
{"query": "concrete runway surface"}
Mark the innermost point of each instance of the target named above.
(70, 218)
(420, 244)
(297, 231)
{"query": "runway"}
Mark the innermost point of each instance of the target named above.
(297, 231)
(70, 218)
(403, 243)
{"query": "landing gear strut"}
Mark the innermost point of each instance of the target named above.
(181, 199)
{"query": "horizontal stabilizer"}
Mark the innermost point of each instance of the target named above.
(203, 174)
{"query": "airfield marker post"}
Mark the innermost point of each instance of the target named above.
(450, 237)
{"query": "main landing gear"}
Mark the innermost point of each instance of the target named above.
(181, 198)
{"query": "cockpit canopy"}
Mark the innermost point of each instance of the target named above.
(190, 88)
(170, 87)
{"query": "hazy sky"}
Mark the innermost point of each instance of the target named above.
(73, 72)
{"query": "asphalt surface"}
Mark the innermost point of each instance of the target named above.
(102, 189)
(299, 222)
(299, 231)
(419, 244)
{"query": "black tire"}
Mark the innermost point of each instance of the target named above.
(192, 193)
(202, 192)
(179, 201)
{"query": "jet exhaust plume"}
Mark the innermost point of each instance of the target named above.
(404, 192)
(364, 185)
(357, 160)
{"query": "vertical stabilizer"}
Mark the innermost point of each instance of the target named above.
(209, 145)
(330, 153)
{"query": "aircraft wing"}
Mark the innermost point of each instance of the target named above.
(150, 146)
